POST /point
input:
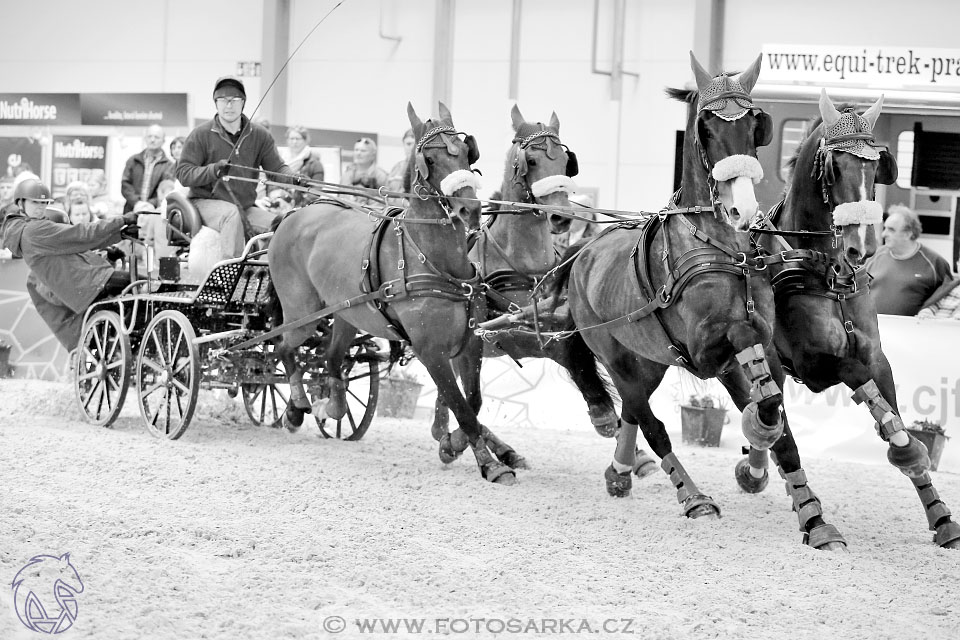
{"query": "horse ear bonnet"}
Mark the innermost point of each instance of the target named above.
(473, 151)
(763, 134)
(573, 167)
(887, 170)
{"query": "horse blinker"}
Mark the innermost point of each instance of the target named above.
(763, 134)
(573, 167)
(423, 171)
(473, 151)
(887, 170)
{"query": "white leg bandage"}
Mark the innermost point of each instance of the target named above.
(457, 180)
(552, 184)
(738, 166)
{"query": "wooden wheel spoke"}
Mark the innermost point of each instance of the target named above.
(90, 395)
(157, 367)
(184, 389)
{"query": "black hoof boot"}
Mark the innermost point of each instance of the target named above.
(912, 460)
(293, 419)
(618, 484)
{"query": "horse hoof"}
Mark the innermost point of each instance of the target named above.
(618, 484)
(701, 506)
(948, 535)
(703, 511)
(447, 453)
(605, 422)
(292, 419)
(826, 537)
(747, 481)
(513, 460)
(912, 460)
(643, 464)
(499, 474)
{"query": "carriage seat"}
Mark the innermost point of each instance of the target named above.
(183, 220)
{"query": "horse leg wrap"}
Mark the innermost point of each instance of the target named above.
(618, 484)
(888, 422)
(490, 469)
(759, 435)
(938, 514)
(912, 460)
(604, 420)
(754, 363)
(503, 451)
(687, 492)
(807, 505)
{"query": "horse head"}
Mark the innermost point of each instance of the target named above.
(539, 167)
(850, 164)
(441, 167)
(727, 128)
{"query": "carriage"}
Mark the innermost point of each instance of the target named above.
(166, 340)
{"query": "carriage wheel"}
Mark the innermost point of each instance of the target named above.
(266, 402)
(168, 375)
(101, 372)
(360, 375)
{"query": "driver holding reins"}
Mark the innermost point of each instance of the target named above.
(224, 205)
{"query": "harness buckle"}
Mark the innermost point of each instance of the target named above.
(848, 326)
(365, 264)
(385, 292)
(401, 263)
(663, 295)
(468, 289)
(784, 258)
(751, 306)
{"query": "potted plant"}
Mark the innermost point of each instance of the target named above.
(932, 435)
(399, 392)
(702, 418)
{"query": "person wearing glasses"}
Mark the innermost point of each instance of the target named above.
(65, 269)
(230, 146)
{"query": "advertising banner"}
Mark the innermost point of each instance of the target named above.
(20, 152)
(134, 109)
(77, 158)
(39, 109)
(882, 67)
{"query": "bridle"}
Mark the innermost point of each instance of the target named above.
(421, 186)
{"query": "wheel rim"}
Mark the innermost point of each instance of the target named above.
(361, 377)
(265, 403)
(168, 375)
(102, 369)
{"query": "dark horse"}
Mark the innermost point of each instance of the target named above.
(514, 250)
(826, 322)
(683, 288)
(406, 279)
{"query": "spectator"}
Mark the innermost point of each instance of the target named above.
(61, 258)
(102, 203)
(145, 170)
(176, 147)
(303, 160)
(228, 207)
(6, 191)
(363, 171)
(77, 205)
(399, 171)
(280, 201)
(905, 273)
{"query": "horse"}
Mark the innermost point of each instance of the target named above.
(704, 302)
(514, 250)
(406, 279)
(826, 330)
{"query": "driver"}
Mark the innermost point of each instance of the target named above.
(65, 272)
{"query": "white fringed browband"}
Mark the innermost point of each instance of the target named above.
(738, 166)
(459, 179)
(863, 212)
(552, 184)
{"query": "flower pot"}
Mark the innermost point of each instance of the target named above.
(934, 443)
(398, 397)
(701, 425)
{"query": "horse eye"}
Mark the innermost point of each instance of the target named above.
(430, 160)
(531, 162)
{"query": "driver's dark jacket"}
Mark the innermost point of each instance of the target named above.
(61, 255)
